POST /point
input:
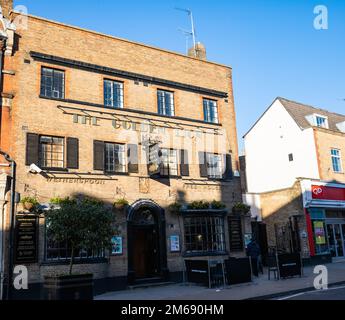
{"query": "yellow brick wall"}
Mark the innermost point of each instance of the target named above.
(327, 140)
(278, 206)
(29, 113)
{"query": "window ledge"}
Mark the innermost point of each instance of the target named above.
(205, 254)
(126, 109)
(76, 262)
(50, 170)
(213, 212)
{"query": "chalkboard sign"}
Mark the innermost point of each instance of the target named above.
(290, 265)
(238, 270)
(197, 271)
(236, 236)
(26, 239)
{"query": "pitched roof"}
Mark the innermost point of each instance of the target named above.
(299, 111)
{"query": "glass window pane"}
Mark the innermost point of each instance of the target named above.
(165, 103)
(207, 235)
(113, 94)
(52, 83)
(51, 152)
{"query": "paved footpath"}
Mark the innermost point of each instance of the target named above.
(260, 288)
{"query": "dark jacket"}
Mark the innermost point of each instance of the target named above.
(253, 250)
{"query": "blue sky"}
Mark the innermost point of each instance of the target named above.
(271, 45)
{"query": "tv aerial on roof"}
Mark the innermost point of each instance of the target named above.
(187, 33)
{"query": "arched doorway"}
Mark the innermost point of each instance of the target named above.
(147, 258)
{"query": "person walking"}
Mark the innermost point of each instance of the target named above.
(254, 251)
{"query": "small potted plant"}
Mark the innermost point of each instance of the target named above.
(120, 204)
(29, 203)
(175, 207)
(218, 205)
(240, 209)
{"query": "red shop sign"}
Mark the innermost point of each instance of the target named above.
(328, 193)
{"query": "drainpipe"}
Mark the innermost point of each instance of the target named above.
(12, 164)
(2, 242)
(2, 217)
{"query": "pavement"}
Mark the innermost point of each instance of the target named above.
(259, 289)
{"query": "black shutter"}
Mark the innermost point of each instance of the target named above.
(228, 173)
(98, 155)
(203, 165)
(72, 153)
(32, 149)
(184, 163)
(132, 154)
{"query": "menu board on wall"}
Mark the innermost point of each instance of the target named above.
(175, 243)
(26, 239)
(236, 236)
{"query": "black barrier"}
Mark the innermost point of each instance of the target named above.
(290, 265)
(197, 271)
(238, 270)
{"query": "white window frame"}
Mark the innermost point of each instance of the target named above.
(120, 90)
(168, 107)
(209, 104)
(319, 116)
(121, 154)
(169, 162)
(215, 172)
(339, 158)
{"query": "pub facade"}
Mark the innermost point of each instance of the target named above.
(89, 115)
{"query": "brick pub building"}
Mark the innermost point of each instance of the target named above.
(85, 108)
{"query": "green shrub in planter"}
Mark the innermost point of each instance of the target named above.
(217, 205)
(199, 205)
(82, 224)
(58, 201)
(241, 209)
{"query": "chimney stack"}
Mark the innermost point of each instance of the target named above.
(198, 52)
(7, 7)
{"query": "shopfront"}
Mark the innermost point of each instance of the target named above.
(325, 209)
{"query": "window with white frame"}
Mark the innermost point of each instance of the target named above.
(168, 164)
(215, 166)
(113, 94)
(321, 121)
(52, 83)
(210, 111)
(336, 160)
(115, 158)
(51, 152)
(166, 103)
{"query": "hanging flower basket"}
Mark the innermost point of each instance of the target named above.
(29, 203)
(175, 208)
(120, 205)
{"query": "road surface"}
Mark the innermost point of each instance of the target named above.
(336, 293)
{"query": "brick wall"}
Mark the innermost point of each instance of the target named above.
(278, 206)
(27, 112)
(327, 140)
